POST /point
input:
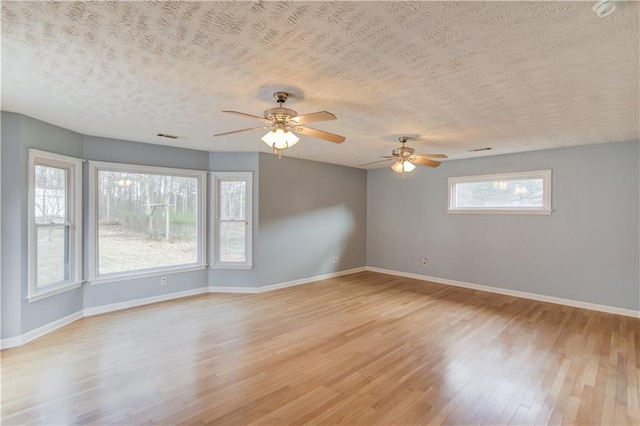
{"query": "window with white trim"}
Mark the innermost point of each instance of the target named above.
(55, 224)
(503, 193)
(232, 229)
(145, 220)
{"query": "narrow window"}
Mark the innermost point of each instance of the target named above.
(55, 224)
(145, 220)
(516, 193)
(232, 234)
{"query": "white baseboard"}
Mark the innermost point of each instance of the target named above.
(96, 310)
(12, 342)
(522, 294)
(286, 284)
(310, 279)
(237, 290)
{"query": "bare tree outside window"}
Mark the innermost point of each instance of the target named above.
(52, 239)
(504, 193)
(232, 237)
(232, 221)
(146, 221)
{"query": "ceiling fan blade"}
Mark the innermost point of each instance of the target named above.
(375, 162)
(424, 161)
(314, 117)
(242, 130)
(243, 114)
(319, 134)
(431, 155)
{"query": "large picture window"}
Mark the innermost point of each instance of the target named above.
(522, 192)
(145, 220)
(55, 224)
(232, 234)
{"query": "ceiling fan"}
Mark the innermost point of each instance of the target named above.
(406, 158)
(284, 122)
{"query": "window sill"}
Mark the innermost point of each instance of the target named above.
(231, 266)
(149, 274)
(48, 292)
(498, 211)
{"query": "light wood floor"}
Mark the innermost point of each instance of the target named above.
(361, 349)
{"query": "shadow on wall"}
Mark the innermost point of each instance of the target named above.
(305, 245)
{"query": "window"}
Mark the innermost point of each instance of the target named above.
(523, 193)
(55, 224)
(145, 220)
(232, 233)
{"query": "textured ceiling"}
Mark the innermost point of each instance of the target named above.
(514, 76)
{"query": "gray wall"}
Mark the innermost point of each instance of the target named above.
(309, 213)
(18, 134)
(587, 250)
(11, 205)
(120, 151)
(304, 214)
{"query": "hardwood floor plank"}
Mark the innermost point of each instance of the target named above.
(366, 348)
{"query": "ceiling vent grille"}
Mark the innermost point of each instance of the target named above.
(165, 135)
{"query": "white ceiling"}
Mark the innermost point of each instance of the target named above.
(457, 76)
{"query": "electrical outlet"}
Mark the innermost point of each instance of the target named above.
(424, 260)
(335, 259)
(163, 281)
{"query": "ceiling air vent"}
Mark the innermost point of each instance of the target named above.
(164, 135)
(488, 148)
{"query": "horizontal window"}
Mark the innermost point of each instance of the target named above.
(145, 219)
(523, 192)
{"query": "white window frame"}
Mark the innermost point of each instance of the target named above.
(93, 271)
(545, 175)
(216, 178)
(73, 223)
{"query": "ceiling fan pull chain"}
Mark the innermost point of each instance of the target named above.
(277, 151)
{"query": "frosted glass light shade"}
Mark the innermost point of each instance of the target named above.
(402, 166)
(280, 139)
(408, 166)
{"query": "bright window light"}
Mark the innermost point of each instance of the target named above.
(516, 193)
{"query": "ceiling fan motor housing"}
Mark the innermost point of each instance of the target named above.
(279, 114)
(403, 152)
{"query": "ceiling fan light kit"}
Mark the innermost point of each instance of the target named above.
(403, 166)
(280, 139)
